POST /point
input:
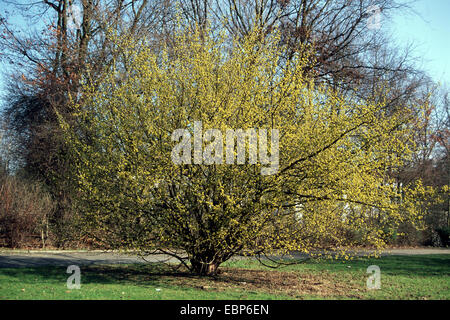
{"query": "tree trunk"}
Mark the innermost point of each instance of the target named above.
(205, 269)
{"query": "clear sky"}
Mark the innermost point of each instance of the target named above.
(427, 27)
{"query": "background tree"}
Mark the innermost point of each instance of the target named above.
(58, 43)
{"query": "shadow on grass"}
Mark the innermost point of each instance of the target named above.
(157, 274)
(419, 265)
(148, 276)
(151, 274)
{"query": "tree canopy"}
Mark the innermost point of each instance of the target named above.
(329, 190)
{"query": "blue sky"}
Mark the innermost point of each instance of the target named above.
(427, 27)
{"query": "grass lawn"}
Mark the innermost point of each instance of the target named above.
(402, 277)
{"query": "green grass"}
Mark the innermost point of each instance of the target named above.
(116, 282)
(402, 277)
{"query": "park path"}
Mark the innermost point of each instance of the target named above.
(15, 259)
(10, 259)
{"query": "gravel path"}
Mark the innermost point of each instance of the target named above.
(15, 259)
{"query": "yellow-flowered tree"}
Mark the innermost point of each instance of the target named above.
(213, 147)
